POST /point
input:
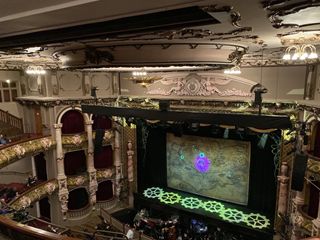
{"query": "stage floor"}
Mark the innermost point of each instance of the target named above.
(215, 213)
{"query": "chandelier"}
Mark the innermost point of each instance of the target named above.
(36, 70)
(301, 52)
(141, 78)
(233, 70)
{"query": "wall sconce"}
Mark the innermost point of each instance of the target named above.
(36, 70)
(300, 52)
(233, 70)
(141, 78)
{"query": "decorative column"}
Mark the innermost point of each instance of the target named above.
(130, 154)
(62, 178)
(283, 189)
(117, 159)
(316, 223)
(93, 185)
(296, 216)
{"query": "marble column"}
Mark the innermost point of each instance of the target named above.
(117, 160)
(62, 178)
(316, 223)
(93, 185)
(283, 189)
(297, 201)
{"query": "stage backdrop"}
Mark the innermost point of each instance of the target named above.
(210, 167)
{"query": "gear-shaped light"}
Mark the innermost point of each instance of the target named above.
(153, 192)
(256, 220)
(191, 202)
(232, 215)
(213, 206)
(169, 198)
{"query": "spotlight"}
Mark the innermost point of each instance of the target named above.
(291, 141)
(263, 141)
(303, 129)
(292, 151)
(241, 130)
(226, 133)
(194, 126)
(215, 129)
(93, 91)
(130, 121)
(305, 140)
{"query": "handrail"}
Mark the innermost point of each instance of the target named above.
(13, 173)
(112, 232)
(12, 120)
(22, 141)
(303, 213)
(308, 153)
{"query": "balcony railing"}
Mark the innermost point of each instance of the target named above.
(79, 213)
(107, 204)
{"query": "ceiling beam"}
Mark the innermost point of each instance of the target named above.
(229, 119)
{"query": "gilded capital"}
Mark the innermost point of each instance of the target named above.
(57, 126)
(89, 122)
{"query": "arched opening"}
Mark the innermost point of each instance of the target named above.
(105, 191)
(41, 167)
(75, 163)
(78, 199)
(45, 208)
(101, 122)
(73, 122)
(103, 159)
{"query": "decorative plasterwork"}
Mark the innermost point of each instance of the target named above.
(28, 148)
(195, 85)
(95, 56)
(104, 174)
(77, 181)
(282, 12)
(312, 36)
(42, 190)
(74, 141)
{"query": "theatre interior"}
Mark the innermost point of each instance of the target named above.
(169, 120)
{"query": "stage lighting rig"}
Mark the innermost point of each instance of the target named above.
(130, 121)
(194, 126)
(291, 141)
(291, 131)
(292, 151)
(215, 129)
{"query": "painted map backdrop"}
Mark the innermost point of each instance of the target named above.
(214, 168)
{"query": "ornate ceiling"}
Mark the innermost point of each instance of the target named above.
(162, 35)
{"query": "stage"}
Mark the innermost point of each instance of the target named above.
(216, 214)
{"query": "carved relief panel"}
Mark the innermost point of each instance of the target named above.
(70, 84)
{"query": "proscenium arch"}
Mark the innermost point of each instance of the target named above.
(78, 108)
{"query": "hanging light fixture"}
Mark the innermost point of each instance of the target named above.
(35, 70)
(141, 78)
(301, 52)
(233, 70)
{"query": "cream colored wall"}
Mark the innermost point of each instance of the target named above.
(22, 166)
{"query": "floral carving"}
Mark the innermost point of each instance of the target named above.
(45, 143)
(79, 180)
(50, 187)
(87, 88)
(25, 201)
(19, 150)
(77, 139)
(55, 89)
(107, 135)
(23, 89)
(107, 173)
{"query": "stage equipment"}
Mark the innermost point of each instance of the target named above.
(129, 121)
(93, 91)
(299, 168)
(291, 141)
(292, 151)
(177, 129)
(98, 141)
(164, 105)
(226, 133)
(263, 141)
(194, 126)
(215, 129)
(230, 119)
(305, 140)
(241, 130)
(291, 130)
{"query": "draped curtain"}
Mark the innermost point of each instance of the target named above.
(75, 163)
(73, 122)
(101, 122)
(78, 199)
(103, 159)
(104, 191)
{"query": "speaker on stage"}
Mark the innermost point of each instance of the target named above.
(98, 141)
(299, 168)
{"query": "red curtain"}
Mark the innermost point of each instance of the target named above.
(313, 200)
(104, 191)
(75, 163)
(103, 159)
(317, 142)
(41, 167)
(103, 123)
(78, 199)
(72, 122)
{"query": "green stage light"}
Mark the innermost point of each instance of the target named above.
(213, 206)
(191, 202)
(153, 192)
(232, 215)
(256, 220)
(169, 198)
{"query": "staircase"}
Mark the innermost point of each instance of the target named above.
(11, 125)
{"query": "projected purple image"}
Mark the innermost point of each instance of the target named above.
(202, 163)
(214, 168)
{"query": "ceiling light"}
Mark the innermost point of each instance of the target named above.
(8, 80)
(233, 70)
(301, 52)
(36, 70)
